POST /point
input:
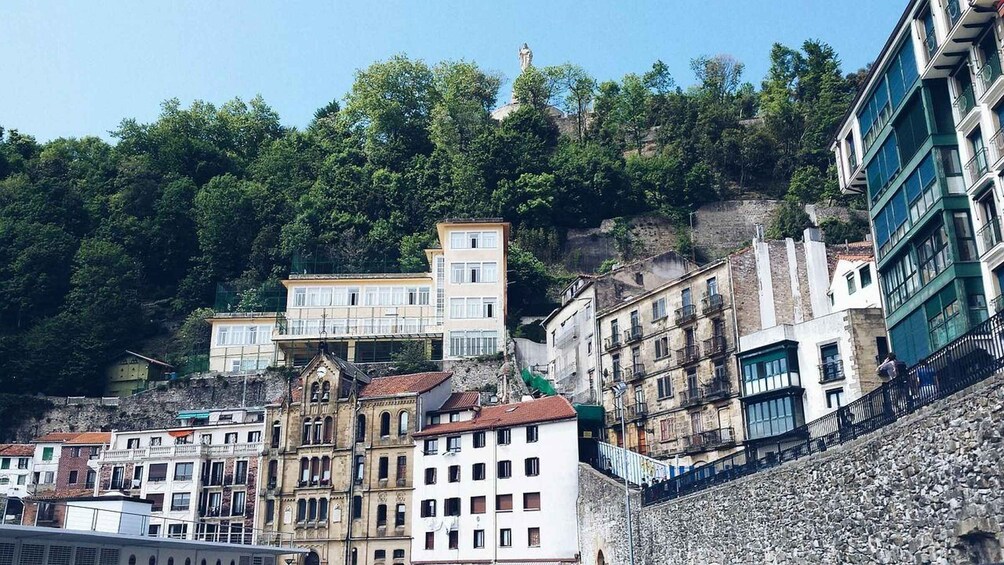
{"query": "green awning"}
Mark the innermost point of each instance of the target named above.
(590, 412)
(193, 414)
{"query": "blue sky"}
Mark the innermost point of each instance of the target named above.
(73, 68)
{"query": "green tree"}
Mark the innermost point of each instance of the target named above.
(533, 88)
(790, 221)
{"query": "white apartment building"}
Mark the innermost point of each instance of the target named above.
(457, 310)
(497, 484)
(15, 470)
(854, 283)
(45, 460)
(201, 476)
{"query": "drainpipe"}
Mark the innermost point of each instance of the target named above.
(352, 466)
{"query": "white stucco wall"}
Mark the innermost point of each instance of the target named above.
(863, 297)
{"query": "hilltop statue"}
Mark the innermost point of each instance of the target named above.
(525, 57)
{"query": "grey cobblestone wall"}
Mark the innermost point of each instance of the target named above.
(924, 490)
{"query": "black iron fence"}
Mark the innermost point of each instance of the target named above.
(964, 362)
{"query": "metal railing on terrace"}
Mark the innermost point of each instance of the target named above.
(634, 333)
(977, 166)
(990, 234)
(182, 450)
(997, 305)
(358, 326)
(968, 360)
(954, 12)
(990, 71)
(323, 263)
(247, 298)
(688, 354)
(686, 313)
(965, 101)
(712, 303)
(997, 142)
(708, 440)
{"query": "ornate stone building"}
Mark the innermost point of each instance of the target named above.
(338, 463)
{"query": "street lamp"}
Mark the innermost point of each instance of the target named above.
(619, 389)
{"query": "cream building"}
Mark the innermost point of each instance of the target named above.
(457, 310)
(338, 476)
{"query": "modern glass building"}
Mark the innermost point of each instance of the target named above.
(923, 141)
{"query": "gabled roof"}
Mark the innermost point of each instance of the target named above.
(148, 359)
(56, 437)
(16, 450)
(91, 438)
(415, 383)
(549, 409)
(461, 401)
(347, 370)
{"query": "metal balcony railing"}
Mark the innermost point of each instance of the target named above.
(990, 71)
(633, 334)
(636, 371)
(977, 166)
(831, 371)
(637, 411)
(990, 234)
(954, 12)
(997, 305)
(931, 43)
(612, 342)
(691, 396)
(614, 416)
(997, 142)
(720, 387)
(712, 303)
(708, 440)
(689, 354)
(686, 314)
(965, 101)
(716, 345)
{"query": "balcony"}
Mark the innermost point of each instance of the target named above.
(689, 354)
(997, 304)
(612, 342)
(637, 411)
(712, 303)
(977, 166)
(719, 388)
(686, 314)
(636, 371)
(716, 345)
(990, 234)
(965, 101)
(566, 336)
(990, 71)
(692, 396)
(614, 416)
(831, 371)
(709, 440)
(997, 142)
(633, 334)
(357, 321)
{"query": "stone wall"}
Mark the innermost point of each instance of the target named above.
(586, 249)
(926, 489)
(721, 227)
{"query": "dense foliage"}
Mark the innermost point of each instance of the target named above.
(93, 234)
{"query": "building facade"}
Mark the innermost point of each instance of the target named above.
(15, 470)
(202, 476)
(571, 330)
(455, 311)
(339, 461)
(130, 373)
(923, 142)
(672, 348)
(498, 485)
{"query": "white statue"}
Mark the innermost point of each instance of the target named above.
(525, 57)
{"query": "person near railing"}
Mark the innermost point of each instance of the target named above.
(845, 423)
(890, 370)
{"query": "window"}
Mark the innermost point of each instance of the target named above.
(932, 255)
(430, 476)
(470, 343)
(158, 472)
(835, 398)
(505, 537)
(382, 515)
(357, 507)
(473, 308)
(241, 472)
(385, 424)
(156, 502)
(532, 466)
(865, 276)
(531, 434)
(237, 503)
(92, 476)
(661, 347)
(75, 451)
(132, 443)
(503, 502)
(360, 467)
(478, 472)
(116, 482)
(478, 505)
(180, 501)
(383, 468)
(380, 554)
(361, 428)
(402, 424)
(454, 474)
(503, 436)
(402, 469)
(177, 531)
(851, 288)
(453, 444)
(399, 516)
(965, 237)
(659, 309)
(479, 539)
(183, 471)
(479, 439)
(73, 477)
(398, 554)
(533, 537)
(454, 539)
(665, 386)
(431, 447)
(531, 501)
(504, 469)
(667, 431)
(46, 454)
(428, 509)
(451, 507)
(430, 540)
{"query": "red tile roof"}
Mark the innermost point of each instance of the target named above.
(415, 383)
(461, 401)
(92, 438)
(549, 409)
(56, 437)
(17, 449)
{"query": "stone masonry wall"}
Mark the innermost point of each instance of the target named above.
(720, 227)
(926, 489)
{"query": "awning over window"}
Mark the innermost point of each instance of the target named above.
(180, 433)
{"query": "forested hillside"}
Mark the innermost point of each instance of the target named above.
(93, 233)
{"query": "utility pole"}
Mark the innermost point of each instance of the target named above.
(619, 389)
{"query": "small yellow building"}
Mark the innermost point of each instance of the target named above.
(130, 372)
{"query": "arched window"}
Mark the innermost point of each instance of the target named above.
(188, 561)
(312, 559)
(326, 391)
(317, 431)
(301, 510)
(600, 560)
(325, 470)
(273, 475)
(304, 471)
(305, 437)
(170, 561)
(361, 427)
(385, 424)
(312, 510)
(315, 470)
(382, 516)
(132, 559)
(322, 510)
(399, 516)
(329, 425)
(355, 556)
(402, 423)
(314, 396)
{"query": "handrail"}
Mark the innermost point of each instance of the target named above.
(969, 359)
